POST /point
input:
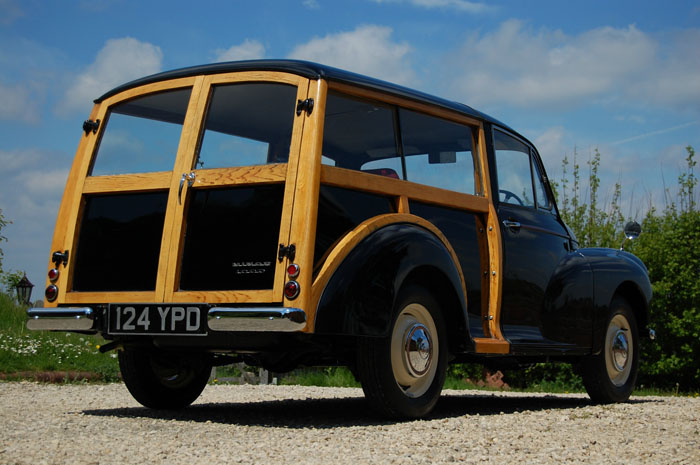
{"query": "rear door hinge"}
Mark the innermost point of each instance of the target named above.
(305, 105)
(91, 126)
(288, 251)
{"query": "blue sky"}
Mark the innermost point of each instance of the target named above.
(620, 76)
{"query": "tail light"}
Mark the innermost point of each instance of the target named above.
(51, 292)
(291, 290)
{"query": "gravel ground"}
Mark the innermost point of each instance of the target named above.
(102, 424)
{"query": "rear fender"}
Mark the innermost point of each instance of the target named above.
(362, 288)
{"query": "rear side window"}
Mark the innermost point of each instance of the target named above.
(142, 134)
(359, 134)
(247, 124)
(438, 152)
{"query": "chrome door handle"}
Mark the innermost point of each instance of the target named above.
(189, 177)
(511, 224)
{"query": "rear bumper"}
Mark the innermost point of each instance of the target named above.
(272, 319)
(61, 319)
(283, 319)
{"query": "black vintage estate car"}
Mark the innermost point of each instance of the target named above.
(286, 213)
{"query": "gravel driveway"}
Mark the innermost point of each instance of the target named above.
(102, 424)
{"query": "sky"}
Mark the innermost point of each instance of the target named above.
(621, 77)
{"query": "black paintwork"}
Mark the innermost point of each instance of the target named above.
(360, 295)
(119, 242)
(617, 271)
(232, 238)
(340, 211)
(459, 227)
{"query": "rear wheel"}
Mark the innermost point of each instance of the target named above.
(402, 375)
(610, 376)
(161, 380)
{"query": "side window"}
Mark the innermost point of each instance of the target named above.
(438, 152)
(247, 124)
(513, 170)
(142, 134)
(359, 134)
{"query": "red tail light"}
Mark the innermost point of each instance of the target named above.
(291, 290)
(51, 293)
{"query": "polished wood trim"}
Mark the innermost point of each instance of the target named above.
(375, 184)
(403, 205)
(407, 103)
(224, 296)
(290, 176)
(487, 345)
(252, 76)
(173, 230)
(261, 174)
(102, 297)
(69, 217)
(305, 209)
(346, 245)
(140, 182)
(495, 248)
(149, 89)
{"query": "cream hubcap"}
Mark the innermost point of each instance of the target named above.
(619, 350)
(414, 350)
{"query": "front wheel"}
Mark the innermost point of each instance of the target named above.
(402, 375)
(162, 380)
(610, 376)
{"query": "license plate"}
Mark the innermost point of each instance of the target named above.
(177, 319)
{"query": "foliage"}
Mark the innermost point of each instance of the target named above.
(327, 377)
(3, 223)
(23, 350)
(668, 247)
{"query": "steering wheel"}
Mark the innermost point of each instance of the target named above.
(510, 195)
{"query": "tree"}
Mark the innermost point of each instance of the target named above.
(3, 223)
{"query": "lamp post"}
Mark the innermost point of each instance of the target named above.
(24, 290)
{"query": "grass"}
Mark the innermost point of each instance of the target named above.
(22, 350)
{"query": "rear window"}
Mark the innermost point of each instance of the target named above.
(247, 124)
(142, 134)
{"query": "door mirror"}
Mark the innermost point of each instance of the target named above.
(632, 231)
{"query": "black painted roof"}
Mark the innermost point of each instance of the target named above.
(309, 70)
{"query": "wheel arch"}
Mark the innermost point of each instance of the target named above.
(388, 252)
(618, 274)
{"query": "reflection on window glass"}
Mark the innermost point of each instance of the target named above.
(248, 124)
(359, 135)
(542, 199)
(513, 168)
(438, 152)
(142, 134)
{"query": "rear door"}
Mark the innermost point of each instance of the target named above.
(188, 194)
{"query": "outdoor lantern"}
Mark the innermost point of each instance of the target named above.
(24, 290)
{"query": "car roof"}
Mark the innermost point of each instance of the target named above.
(309, 70)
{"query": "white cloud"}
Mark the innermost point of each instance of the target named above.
(18, 104)
(552, 147)
(459, 5)
(367, 50)
(16, 159)
(248, 50)
(515, 65)
(119, 61)
(311, 4)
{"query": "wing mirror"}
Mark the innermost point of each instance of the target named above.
(632, 231)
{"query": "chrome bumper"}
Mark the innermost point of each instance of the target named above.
(282, 319)
(61, 319)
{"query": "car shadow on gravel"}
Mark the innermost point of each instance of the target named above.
(345, 412)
